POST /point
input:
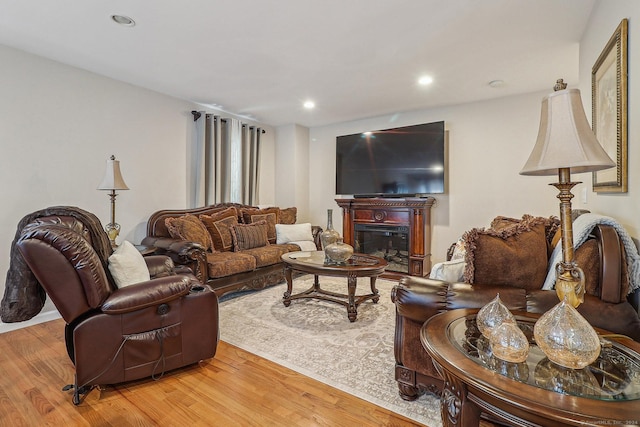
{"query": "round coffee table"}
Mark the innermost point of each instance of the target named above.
(359, 265)
(535, 392)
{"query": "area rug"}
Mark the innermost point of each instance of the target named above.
(315, 338)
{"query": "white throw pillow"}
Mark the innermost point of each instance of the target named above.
(127, 266)
(306, 245)
(289, 233)
(449, 271)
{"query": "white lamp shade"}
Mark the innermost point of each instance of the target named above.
(112, 177)
(565, 139)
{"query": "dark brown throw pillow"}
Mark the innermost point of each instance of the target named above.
(513, 256)
(249, 236)
(219, 226)
(288, 215)
(587, 256)
(270, 215)
(190, 228)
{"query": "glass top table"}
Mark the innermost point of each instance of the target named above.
(476, 384)
(615, 375)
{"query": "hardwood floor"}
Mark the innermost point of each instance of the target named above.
(235, 388)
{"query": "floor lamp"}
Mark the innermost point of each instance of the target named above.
(113, 181)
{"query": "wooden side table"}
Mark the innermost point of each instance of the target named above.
(535, 392)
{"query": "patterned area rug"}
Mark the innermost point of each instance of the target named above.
(315, 338)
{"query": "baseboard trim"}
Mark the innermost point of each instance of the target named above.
(40, 318)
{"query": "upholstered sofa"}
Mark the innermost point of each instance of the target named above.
(230, 246)
(497, 260)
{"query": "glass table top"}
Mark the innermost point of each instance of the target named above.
(615, 375)
(317, 258)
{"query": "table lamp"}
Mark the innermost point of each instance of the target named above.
(113, 181)
(566, 144)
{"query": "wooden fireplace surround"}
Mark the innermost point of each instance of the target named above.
(414, 213)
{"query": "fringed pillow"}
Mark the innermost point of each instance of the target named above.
(219, 226)
(513, 255)
(188, 227)
(270, 215)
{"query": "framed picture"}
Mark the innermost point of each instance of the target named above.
(609, 106)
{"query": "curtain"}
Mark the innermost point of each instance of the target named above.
(226, 161)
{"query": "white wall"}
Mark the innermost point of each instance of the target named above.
(604, 20)
(58, 126)
(488, 144)
(292, 169)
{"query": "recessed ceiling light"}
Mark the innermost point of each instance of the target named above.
(496, 83)
(123, 20)
(309, 105)
(425, 80)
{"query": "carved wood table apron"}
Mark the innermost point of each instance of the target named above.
(536, 392)
(359, 265)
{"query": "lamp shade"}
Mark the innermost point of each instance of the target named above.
(112, 177)
(565, 139)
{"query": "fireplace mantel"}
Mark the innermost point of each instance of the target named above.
(410, 214)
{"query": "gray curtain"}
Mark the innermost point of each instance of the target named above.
(226, 161)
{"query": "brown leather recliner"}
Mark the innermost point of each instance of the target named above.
(116, 335)
(418, 299)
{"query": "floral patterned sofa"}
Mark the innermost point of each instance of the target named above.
(230, 246)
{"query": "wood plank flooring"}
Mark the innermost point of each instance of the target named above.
(235, 388)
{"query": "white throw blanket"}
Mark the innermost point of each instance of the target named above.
(582, 227)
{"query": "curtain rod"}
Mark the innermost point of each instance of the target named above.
(198, 114)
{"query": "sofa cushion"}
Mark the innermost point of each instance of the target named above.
(188, 227)
(288, 215)
(249, 236)
(516, 255)
(267, 255)
(221, 264)
(286, 233)
(127, 266)
(219, 226)
(270, 215)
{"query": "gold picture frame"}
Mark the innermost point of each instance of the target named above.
(609, 109)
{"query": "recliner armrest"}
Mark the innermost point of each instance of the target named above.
(159, 265)
(146, 294)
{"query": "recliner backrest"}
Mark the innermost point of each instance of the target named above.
(66, 265)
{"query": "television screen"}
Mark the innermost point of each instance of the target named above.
(405, 161)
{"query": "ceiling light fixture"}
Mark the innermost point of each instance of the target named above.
(425, 80)
(309, 105)
(123, 20)
(496, 83)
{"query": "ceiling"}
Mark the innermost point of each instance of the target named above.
(354, 58)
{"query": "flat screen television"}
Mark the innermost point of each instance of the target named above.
(400, 162)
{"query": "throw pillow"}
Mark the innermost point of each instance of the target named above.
(288, 215)
(513, 256)
(189, 228)
(270, 215)
(287, 233)
(449, 271)
(249, 236)
(127, 266)
(219, 226)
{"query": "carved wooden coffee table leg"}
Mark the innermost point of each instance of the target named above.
(374, 290)
(286, 299)
(352, 308)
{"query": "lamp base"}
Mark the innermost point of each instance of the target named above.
(570, 283)
(113, 230)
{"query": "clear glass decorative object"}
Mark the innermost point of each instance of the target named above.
(338, 252)
(508, 342)
(566, 338)
(492, 315)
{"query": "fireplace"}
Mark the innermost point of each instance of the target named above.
(396, 229)
(388, 242)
